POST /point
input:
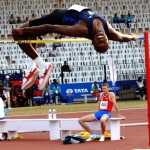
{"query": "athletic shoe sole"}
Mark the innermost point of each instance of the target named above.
(30, 82)
(49, 69)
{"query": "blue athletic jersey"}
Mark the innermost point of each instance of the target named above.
(72, 17)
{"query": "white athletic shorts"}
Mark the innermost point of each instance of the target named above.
(6, 94)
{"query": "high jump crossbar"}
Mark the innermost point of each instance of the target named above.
(49, 41)
(42, 41)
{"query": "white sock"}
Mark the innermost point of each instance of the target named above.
(40, 63)
(30, 63)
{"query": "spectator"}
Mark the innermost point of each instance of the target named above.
(11, 19)
(95, 90)
(54, 52)
(64, 68)
(6, 91)
(122, 19)
(115, 19)
(11, 99)
(54, 81)
(141, 87)
(29, 93)
(26, 20)
(19, 97)
(57, 44)
(129, 19)
(33, 17)
(56, 92)
(19, 20)
(14, 98)
(46, 94)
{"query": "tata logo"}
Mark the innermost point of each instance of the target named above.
(77, 91)
(69, 91)
(81, 90)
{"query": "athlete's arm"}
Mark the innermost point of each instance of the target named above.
(99, 98)
(118, 36)
(113, 98)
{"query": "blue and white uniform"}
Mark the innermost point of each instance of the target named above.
(71, 17)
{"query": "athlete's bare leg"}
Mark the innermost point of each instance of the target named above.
(32, 31)
(88, 118)
(29, 49)
(103, 120)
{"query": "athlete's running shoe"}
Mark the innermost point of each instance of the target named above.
(29, 78)
(102, 139)
(91, 138)
(44, 76)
